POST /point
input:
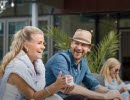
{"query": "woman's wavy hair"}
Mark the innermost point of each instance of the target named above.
(18, 40)
(107, 66)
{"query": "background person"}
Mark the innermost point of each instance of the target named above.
(22, 71)
(110, 72)
(72, 62)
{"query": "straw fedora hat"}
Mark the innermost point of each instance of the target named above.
(82, 36)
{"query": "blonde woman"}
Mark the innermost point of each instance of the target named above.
(22, 72)
(110, 72)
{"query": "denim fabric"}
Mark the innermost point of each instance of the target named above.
(64, 62)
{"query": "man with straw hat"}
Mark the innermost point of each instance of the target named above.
(73, 64)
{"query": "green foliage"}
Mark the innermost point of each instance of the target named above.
(61, 39)
(106, 48)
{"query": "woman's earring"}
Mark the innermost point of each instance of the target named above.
(27, 50)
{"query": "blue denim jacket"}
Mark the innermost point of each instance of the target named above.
(64, 62)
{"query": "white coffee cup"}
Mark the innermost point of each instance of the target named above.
(128, 86)
(69, 80)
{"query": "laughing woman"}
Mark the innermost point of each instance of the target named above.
(22, 73)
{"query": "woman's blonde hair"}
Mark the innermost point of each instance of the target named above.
(18, 40)
(105, 70)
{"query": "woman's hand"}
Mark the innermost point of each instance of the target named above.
(123, 89)
(63, 83)
(60, 82)
(69, 84)
(67, 89)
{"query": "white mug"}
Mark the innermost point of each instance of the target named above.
(69, 77)
(128, 86)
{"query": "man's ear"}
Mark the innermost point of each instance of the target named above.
(71, 43)
(89, 50)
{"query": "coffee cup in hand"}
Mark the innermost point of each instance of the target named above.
(69, 80)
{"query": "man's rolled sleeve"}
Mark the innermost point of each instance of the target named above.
(90, 81)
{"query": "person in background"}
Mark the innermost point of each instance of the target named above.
(110, 72)
(22, 71)
(72, 62)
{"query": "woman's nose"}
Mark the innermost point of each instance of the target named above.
(43, 47)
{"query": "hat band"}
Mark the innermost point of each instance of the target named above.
(81, 39)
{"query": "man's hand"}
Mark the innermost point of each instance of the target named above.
(113, 94)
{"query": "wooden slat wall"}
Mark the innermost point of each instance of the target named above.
(125, 43)
(125, 52)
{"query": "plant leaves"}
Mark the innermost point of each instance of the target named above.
(62, 41)
(105, 49)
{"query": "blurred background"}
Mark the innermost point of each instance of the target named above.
(98, 16)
